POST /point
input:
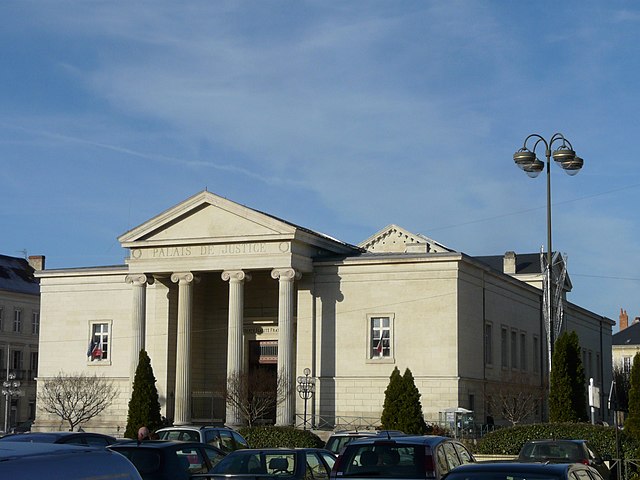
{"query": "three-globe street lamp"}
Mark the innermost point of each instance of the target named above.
(566, 157)
(306, 389)
(10, 388)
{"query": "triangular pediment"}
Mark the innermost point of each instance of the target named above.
(395, 239)
(207, 217)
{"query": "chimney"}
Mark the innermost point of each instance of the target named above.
(36, 262)
(636, 320)
(509, 263)
(624, 319)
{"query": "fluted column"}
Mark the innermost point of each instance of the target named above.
(235, 339)
(182, 415)
(286, 350)
(138, 314)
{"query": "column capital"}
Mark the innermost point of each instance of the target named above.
(236, 276)
(138, 279)
(286, 274)
(183, 277)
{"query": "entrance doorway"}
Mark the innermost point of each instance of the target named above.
(263, 374)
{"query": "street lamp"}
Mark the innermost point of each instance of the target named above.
(566, 157)
(10, 388)
(306, 389)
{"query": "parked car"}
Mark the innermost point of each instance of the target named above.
(224, 438)
(410, 457)
(36, 461)
(564, 451)
(22, 427)
(521, 471)
(72, 438)
(169, 460)
(283, 463)
(340, 439)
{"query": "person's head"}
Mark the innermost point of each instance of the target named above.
(143, 433)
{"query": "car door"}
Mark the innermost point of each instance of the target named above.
(214, 455)
(316, 467)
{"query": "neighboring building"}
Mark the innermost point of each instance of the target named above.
(212, 288)
(626, 343)
(19, 329)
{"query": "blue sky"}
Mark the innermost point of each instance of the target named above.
(340, 116)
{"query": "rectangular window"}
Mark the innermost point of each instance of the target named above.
(17, 320)
(598, 373)
(488, 345)
(626, 364)
(523, 351)
(504, 347)
(16, 360)
(589, 365)
(380, 335)
(1, 319)
(99, 345)
(35, 323)
(33, 364)
(2, 364)
(514, 349)
(536, 354)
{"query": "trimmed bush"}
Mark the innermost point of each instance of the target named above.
(509, 441)
(287, 437)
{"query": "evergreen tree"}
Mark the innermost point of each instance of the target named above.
(411, 418)
(392, 399)
(402, 409)
(567, 394)
(144, 406)
(632, 423)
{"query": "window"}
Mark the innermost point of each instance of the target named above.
(33, 364)
(2, 366)
(598, 372)
(488, 352)
(536, 354)
(380, 335)
(523, 351)
(16, 360)
(504, 347)
(35, 323)
(514, 349)
(99, 346)
(17, 320)
(1, 319)
(626, 364)
(589, 365)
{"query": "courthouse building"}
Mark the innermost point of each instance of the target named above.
(211, 288)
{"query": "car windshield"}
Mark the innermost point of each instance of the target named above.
(394, 460)
(337, 443)
(542, 451)
(257, 463)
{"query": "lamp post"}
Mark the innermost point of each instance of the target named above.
(306, 389)
(10, 388)
(526, 159)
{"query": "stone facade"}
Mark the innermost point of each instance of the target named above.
(211, 287)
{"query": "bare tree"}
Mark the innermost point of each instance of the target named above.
(255, 394)
(76, 398)
(515, 399)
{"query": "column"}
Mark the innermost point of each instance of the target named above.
(235, 339)
(286, 348)
(138, 314)
(182, 415)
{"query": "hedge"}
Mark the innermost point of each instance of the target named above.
(508, 441)
(288, 437)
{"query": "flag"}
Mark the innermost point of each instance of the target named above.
(92, 345)
(96, 353)
(379, 347)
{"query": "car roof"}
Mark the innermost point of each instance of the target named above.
(30, 436)
(411, 439)
(558, 440)
(157, 444)
(556, 468)
(195, 427)
(26, 449)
